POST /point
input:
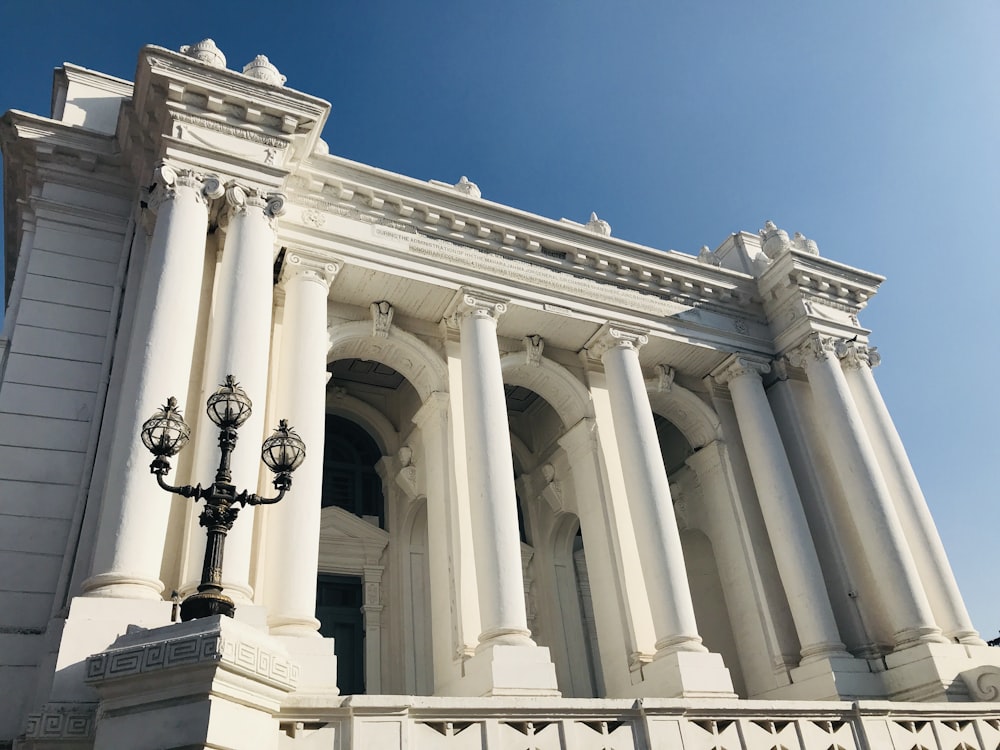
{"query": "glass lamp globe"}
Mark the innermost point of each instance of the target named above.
(166, 432)
(229, 406)
(283, 451)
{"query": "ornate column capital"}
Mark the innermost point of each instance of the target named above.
(242, 199)
(169, 180)
(302, 267)
(738, 366)
(814, 348)
(854, 355)
(473, 303)
(614, 336)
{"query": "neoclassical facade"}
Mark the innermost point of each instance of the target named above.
(561, 490)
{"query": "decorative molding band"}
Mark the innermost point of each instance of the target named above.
(612, 336)
(212, 647)
(72, 722)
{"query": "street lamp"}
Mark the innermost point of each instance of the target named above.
(166, 433)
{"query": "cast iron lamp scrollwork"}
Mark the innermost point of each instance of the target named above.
(166, 433)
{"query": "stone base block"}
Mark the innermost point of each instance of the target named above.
(932, 671)
(317, 661)
(92, 625)
(507, 670)
(684, 674)
(830, 679)
(213, 682)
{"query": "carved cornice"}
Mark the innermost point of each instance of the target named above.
(305, 268)
(739, 366)
(411, 206)
(613, 336)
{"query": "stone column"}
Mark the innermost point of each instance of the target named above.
(507, 661)
(133, 520)
(492, 498)
(781, 507)
(648, 492)
(239, 344)
(932, 562)
(293, 525)
(878, 528)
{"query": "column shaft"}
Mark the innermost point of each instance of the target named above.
(781, 507)
(878, 528)
(492, 498)
(657, 538)
(293, 525)
(133, 520)
(932, 561)
(239, 344)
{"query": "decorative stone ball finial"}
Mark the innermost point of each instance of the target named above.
(207, 52)
(775, 241)
(598, 226)
(466, 187)
(263, 70)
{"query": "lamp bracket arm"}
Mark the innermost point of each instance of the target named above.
(247, 499)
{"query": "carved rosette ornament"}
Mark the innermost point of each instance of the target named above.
(296, 266)
(169, 180)
(612, 337)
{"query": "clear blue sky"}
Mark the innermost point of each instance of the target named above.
(871, 127)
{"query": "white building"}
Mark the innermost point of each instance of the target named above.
(544, 464)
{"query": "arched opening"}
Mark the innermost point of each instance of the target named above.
(558, 596)
(372, 591)
(350, 480)
(707, 592)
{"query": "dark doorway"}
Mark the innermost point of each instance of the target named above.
(338, 609)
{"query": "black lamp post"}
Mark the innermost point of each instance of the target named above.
(166, 433)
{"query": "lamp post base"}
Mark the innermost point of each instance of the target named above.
(206, 604)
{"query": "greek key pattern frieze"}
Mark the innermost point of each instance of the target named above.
(249, 658)
(74, 722)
